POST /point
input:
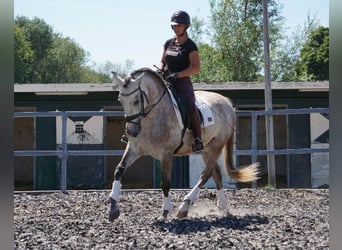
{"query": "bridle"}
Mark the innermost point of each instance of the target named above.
(142, 113)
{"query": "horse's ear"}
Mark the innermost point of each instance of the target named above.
(117, 80)
(137, 80)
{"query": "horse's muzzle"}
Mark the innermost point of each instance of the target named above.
(133, 129)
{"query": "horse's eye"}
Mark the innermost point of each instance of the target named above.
(136, 102)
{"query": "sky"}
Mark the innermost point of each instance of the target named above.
(113, 30)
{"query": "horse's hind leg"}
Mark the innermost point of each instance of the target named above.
(221, 197)
(189, 199)
(166, 167)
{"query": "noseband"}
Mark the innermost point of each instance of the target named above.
(142, 113)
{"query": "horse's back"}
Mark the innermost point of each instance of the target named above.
(215, 100)
(223, 113)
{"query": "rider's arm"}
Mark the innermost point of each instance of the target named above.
(162, 61)
(194, 67)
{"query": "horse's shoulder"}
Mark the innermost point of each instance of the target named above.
(134, 74)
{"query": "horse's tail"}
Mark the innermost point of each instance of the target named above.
(243, 173)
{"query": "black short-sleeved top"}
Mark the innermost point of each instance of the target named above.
(177, 56)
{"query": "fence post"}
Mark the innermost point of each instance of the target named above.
(268, 101)
(254, 143)
(64, 154)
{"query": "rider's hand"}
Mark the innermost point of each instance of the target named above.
(172, 77)
(160, 72)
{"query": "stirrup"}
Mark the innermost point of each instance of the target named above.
(124, 138)
(198, 145)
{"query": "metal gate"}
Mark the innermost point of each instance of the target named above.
(64, 152)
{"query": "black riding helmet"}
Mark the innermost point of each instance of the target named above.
(180, 17)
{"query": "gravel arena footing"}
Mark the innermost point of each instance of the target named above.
(255, 219)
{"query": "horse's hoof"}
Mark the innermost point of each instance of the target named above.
(162, 217)
(113, 214)
(181, 214)
(222, 206)
(113, 211)
(165, 213)
(183, 209)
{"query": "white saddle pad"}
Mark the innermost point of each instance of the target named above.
(207, 114)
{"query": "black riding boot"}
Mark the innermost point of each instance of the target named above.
(197, 146)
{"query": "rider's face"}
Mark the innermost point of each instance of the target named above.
(178, 28)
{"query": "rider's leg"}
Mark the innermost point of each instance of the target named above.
(184, 85)
(196, 130)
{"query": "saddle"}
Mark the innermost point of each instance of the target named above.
(183, 108)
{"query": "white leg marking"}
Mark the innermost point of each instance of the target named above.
(221, 199)
(116, 190)
(167, 204)
(192, 196)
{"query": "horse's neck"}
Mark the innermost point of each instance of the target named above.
(156, 89)
(159, 97)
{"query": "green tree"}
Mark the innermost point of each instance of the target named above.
(237, 28)
(121, 69)
(89, 75)
(42, 56)
(211, 68)
(63, 61)
(23, 55)
(40, 36)
(313, 63)
(286, 50)
(196, 30)
(236, 52)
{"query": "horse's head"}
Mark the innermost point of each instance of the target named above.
(134, 98)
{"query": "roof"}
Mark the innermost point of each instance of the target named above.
(62, 88)
(84, 88)
(315, 86)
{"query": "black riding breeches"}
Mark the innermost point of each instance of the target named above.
(184, 86)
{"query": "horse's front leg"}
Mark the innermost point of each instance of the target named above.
(166, 167)
(127, 160)
(189, 199)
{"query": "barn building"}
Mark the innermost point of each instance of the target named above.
(97, 132)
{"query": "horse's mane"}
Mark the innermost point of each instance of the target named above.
(134, 74)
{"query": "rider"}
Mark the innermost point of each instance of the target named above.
(180, 60)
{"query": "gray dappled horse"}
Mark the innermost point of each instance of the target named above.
(153, 129)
